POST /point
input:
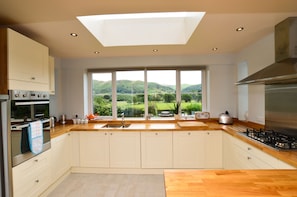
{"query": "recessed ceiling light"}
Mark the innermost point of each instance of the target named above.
(155, 50)
(160, 28)
(215, 49)
(73, 34)
(96, 52)
(240, 29)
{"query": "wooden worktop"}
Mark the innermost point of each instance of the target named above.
(227, 183)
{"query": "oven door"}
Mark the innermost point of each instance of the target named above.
(20, 149)
(26, 110)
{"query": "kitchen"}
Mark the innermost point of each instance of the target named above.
(71, 78)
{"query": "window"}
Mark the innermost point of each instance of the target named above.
(130, 93)
(146, 93)
(191, 92)
(161, 92)
(102, 93)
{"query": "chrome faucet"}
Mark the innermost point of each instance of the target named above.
(123, 119)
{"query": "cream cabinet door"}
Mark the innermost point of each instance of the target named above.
(213, 149)
(94, 149)
(51, 75)
(28, 67)
(61, 155)
(156, 149)
(124, 149)
(32, 177)
(188, 149)
(245, 156)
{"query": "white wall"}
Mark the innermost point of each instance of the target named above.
(222, 72)
(257, 56)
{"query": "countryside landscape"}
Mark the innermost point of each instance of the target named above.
(130, 98)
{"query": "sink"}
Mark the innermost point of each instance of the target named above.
(114, 125)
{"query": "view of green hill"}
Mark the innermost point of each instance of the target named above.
(127, 86)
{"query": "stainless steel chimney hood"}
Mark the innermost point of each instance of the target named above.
(285, 68)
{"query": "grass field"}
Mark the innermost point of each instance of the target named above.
(159, 105)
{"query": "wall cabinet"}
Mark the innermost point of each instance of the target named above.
(61, 155)
(156, 149)
(197, 149)
(51, 64)
(110, 149)
(25, 61)
(32, 177)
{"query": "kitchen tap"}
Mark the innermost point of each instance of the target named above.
(123, 119)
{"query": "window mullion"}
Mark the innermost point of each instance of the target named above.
(114, 95)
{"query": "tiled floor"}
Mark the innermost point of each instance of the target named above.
(110, 185)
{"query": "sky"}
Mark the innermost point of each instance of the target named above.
(161, 77)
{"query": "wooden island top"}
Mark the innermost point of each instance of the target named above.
(230, 183)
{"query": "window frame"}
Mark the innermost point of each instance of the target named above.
(204, 76)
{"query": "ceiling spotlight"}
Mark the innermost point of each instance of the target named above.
(155, 50)
(96, 52)
(215, 49)
(240, 29)
(73, 34)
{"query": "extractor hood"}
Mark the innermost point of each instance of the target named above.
(284, 70)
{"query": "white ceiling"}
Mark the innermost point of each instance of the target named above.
(51, 22)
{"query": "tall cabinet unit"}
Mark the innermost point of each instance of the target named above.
(24, 61)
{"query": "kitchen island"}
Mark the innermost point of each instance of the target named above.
(247, 183)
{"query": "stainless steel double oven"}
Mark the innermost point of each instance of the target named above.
(26, 107)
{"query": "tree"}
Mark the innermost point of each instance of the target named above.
(186, 97)
(168, 98)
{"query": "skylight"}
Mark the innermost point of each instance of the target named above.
(166, 28)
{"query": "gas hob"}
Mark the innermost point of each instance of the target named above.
(272, 139)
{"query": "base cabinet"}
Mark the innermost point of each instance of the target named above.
(197, 149)
(61, 155)
(213, 149)
(94, 149)
(110, 149)
(124, 149)
(188, 149)
(240, 155)
(32, 177)
(156, 149)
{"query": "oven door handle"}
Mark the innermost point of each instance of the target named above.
(31, 103)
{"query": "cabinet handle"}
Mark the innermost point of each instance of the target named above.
(37, 181)
(36, 160)
(105, 133)
(156, 133)
(189, 133)
(208, 133)
(249, 148)
(33, 78)
(249, 158)
(110, 133)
